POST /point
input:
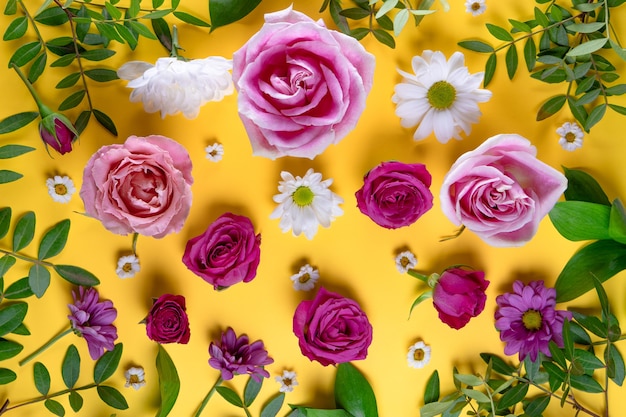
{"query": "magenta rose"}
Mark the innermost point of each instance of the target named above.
(142, 186)
(301, 86)
(501, 191)
(167, 321)
(228, 252)
(459, 295)
(58, 132)
(332, 329)
(395, 194)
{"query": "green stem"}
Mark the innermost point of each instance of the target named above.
(604, 342)
(26, 258)
(6, 408)
(134, 244)
(45, 346)
(415, 274)
(42, 109)
(208, 396)
(569, 400)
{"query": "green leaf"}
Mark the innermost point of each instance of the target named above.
(24, 231)
(583, 187)
(97, 54)
(551, 106)
(568, 342)
(511, 61)
(21, 330)
(490, 69)
(128, 35)
(105, 121)
(498, 364)
(169, 382)
(163, 33)
(25, 53)
(591, 323)
(577, 110)
(475, 395)
(580, 220)
(9, 176)
(355, 13)
(530, 54)
(251, 391)
(76, 275)
(313, 412)
(102, 74)
(54, 240)
(621, 52)
(72, 100)
(520, 26)
(359, 33)
(70, 370)
(7, 376)
(54, 16)
(107, 364)
(76, 401)
(435, 409)
(386, 7)
(617, 222)
(615, 364)
(384, 37)
(353, 393)
(37, 68)
(587, 47)
(9, 349)
(585, 383)
(112, 397)
(134, 8)
(476, 46)
(541, 18)
(272, 408)
(468, 379)
(616, 90)
(38, 279)
(42, 378)
(431, 392)
(6, 262)
(224, 12)
(399, 21)
(54, 407)
(5, 221)
(142, 29)
(159, 14)
(82, 120)
(595, 116)
(587, 360)
(230, 396)
(499, 33)
(64, 61)
(115, 13)
(586, 27)
(11, 151)
(17, 28)
(536, 406)
(192, 20)
(10, 8)
(107, 30)
(422, 297)
(19, 289)
(618, 109)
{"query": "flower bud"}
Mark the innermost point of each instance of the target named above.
(57, 131)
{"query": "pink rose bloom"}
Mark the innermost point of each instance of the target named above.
(332, 329)
(459, 295)
(167, 321)
(228, 252)
(301, 86)
(142, 186)
(395, 194)
(501, 191)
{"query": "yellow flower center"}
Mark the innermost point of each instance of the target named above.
(441, 95)
(475, 6)
(127, 267)
(303, 196)
(287, 381)
(60, 189)
(304, 278)
(404, 261)
(532, 320)
(570, 137)
(418, 355)
(134, 379)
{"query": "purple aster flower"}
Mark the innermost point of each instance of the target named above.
(236, 356)
(93, 320)
(528, 321)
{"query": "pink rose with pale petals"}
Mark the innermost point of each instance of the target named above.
(142, 186)
(501, 191)
(301, 86)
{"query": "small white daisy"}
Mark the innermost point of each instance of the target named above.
(214, 152)
(442, 97)
(61, 188)
(306, 278)
(135, 377)
(405, 261)
(419, 355)
(475, 7)
(287, 381)
(304, 203)
(127, 266)
(571, 136)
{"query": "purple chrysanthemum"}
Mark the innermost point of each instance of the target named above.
(528, 321)
(235, 356)
(93, 320)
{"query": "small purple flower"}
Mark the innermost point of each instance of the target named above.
(528, 321)
(93, 320)
(236, 356)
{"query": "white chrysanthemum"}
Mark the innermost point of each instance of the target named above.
(405, 260)
(214, 152)
(571, 136)
(304, 203)
(475, 7)
(442, 97)
(174, 85)
(287, 381)
(419, 355)
(306, 278)
(127, 266)
(135, 377)
(61, 188)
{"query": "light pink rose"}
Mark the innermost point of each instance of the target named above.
(501, 191)
(301, 86)
(142, 186)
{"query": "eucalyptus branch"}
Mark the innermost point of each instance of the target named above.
(537, 32)
(7, 408)
(32, 21)
(26, 258)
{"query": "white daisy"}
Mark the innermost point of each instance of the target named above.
(135, 377)
(174, 85)
(127, 266)
(304, 203)
(475, 7)
(442, 97)
(306, 278)
(287, 381)
(571, 136)
(61, 188)
(419, 355)
(405, 260)
(214, 152)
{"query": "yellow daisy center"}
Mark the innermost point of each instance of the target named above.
(404, 261)
(532, 320)
(303, 196)
(418, 355)
(475, 6)
(60, 189)
(570, 137)
(134, 379)
(127, 267)
(441, 95)
(304, 278)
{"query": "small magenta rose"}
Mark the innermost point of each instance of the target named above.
(301, 86)
(332, 329)
(228, 252)
(58, 132)
(395, 194)
(459, 295)
(167, 321)
(501, 191)
(142, 186)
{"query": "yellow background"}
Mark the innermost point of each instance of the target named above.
(355, 256)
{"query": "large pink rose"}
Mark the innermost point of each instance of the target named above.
(301, 86)
(142, 186)
(332, 329)
(501, 191)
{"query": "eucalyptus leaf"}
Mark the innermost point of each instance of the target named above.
(159, 14)
(9, 176)
(435, 409)
(475, 395)
(42, 378)
(82, 120)
(498, 364)
(536, 406)
(53, 16)
(580, 220)
(142, 30)
(38, 279)
(499, 32)
(11, 316)
(101, 74)
(9, 349)
(72, 100)
(587, 47)
(76, 401)
(70, 369)
(107, 364)
(105, 121)
(17, 121)
(37, 67)
(7, 376)
(192, 20)
(21, 330)
(467, 379)
(595, 116)
(5, 221)
(251, 391)
(169, 382)
(11, 151)
(224, 12)
(511, 60)
(54, 240)
(476, 46)
(585, 383)
(353, 393)
(54, 407)
(315, 412)
(97, 54)
(587, 360)
(615, 364)
(551, 106)
(578, 111)
(490, 68)
(16, 29)
(76, 275)
(6, 262)
(384, 37)
(272, 408)
(18, 289)
(112, 397)
(229, 395)
(25, 53)
(530, 54)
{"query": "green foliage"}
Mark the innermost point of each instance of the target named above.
(169, 382)
(353, 393)
(107, 364)
(224, 12)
